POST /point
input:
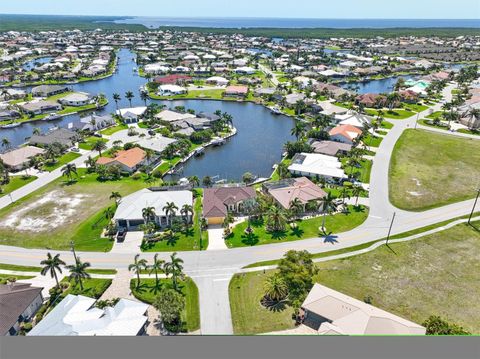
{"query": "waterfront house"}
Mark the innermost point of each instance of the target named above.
(236, 91)
(354, 119)
(330, 148)
(173, 79)
(171, 90)
(129, 212)
(172, 116)
(132, 114)
(217, 202)
(77, 315)
(290, 189)
(61, 135)
(17, 159)
(316, 165)
(345, 133)
(217, 81)
(92, 123)
(49, 90)
(40, 107)
(329, 312)
(77, 99)
(18, 303)
(128, 160)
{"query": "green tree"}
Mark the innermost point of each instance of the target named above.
(116, 196)
(68, 170)
(116, 98)
(52, 265)
(435, 325)
(170, 303)
(187, 210)
(207, 181)
(194, 181)
(170, 210)
(175, 268)
(276, 220)
(78, 271)
(329, 205)
(99, 146)
(275, 288)
(298, 130)
(157, 267)
(148, 213)
(247, 178)
(296, 206)
(137, 266)
(129, 96)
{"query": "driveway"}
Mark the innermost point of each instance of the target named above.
(131, 244)
(215, 238)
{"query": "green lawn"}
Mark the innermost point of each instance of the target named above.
(89, 142)
(215, 94)
(147, 292)
(92, 287)
(396, 114)
(15, 183)
(65, 212)
(5, 277)
(372, 141)
(183, 241)
(111, 130)
(308, 228)
(415, 107)
(434, 275)
(429, 169)
(61, 161)
(387, 125)
(363, 171)
(435, 115)
(469, 132)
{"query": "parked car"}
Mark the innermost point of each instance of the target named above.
(121, 234)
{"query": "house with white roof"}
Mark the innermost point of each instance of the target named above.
(170, 90)
(76, 315)
(129, 212)
(329, 312)
(317, 166)
(131, 114)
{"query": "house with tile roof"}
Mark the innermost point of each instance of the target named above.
(128, 160)
(217, 202)
(345, 133)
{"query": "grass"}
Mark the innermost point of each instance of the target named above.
(363, 171)
(89, 142)
(147, 292)
(111, 130)
(5, 277)
(435, 115)
(101, 271)
(428, 170)
(308, 228)
(396, 114)
(84, 226)
(92, 287)
(61, 161)
(387, 125)
(216, 94)
(183, 241)
(372, 141)
(415, 107)
(469, 132)
(19, 268)
(434, 275)
(424, 122)
(15, 183)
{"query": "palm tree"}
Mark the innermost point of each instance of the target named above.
(78, 271)
(174, 267)
(276, 219)
(52, 265)
(296, 206)
(6, 143)
(116, 196)
(282, 170)
(137, 267)
(298, 130)
(99, 146)
(345, 193)
(329, 205)
(90, 162)
(116, 98)
(68, 170)
(356, 191)
(275, 288)
(129, 96)
(474, 115)
(185, 211)
(194, 181)
(170, 208)
(207, 181)
(148, 213)
(144, 97)
(156, 267)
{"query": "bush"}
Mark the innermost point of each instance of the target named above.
(137, 176)
(435, 325)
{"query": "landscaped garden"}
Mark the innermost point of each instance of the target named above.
(15, 183)
(428, 170)
(433, 275)
(60, 161)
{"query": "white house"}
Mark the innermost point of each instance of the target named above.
(245, 70)
(317, 165)
(131, 114)
(129, 212)
(169, 90)
(77, 99)
(77, 315)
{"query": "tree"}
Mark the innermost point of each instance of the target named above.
(78, 271)
(282, 170)
(90, 163)
(297, 269)
(276, 220)
(185, 211)
(207, 181)
(99, 146)
(174, 267)
(129, 96)
(170, 303)
(148, 213)
(52, 265)
(248, 178)
(356, 191)
(296, 206)
(156, 267)
(250, 207)
(275, 288)
(194, 181)
(474, 115)
(6, 143)
(170, 210)
(116, 196)
(435, 325)
(329, 205)
(137, 266)
(116, 98)
(144, 97)
(68, 170)
(298, 130)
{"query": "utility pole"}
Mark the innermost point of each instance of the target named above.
(474, 205)
(72, 245)
(390, 229)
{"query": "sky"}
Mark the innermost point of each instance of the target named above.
(322, 9)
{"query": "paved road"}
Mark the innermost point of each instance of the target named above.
(212, 270)
(266, 70)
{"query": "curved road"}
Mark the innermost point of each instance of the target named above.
(212, 270)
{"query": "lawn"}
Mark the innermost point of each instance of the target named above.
(429, 169)
(60, 212)
(434, 275)
(395, 114)
(147, 292)
(308, 228)
(363, 171)
(61, 161)
(183, 241)
(15, 183)
(5, 277)
(415, 107)
(435, 115)
(372, 141)
(111, 130)
(89, 142)
(92, 287)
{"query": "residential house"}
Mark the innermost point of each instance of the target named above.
(171, 90)
(77, 99)
(217, 202)
(16, 160)
(49, 90)
(131, 115)
(129, 212)
(128, 160)
(236, 91)
(18, 303)
(329, 312)
(330, 148)
(77, 315)
(61, 135)
(40, 107)
(345, 133)
(92, 123)
(315, 165)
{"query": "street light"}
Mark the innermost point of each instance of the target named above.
(474, 204)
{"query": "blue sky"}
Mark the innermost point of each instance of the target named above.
(392, 9)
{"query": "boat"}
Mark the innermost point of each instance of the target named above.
(275, 110)
(199, 152)
(221, 181)
(218, 142)
(52, 116)
(11, 125)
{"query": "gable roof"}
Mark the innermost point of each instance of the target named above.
(215, 200)
(348, 131)
(300, 188)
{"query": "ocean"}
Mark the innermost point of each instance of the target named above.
(211, 22)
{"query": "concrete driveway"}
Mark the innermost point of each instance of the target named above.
(215, 238)
(131, 244)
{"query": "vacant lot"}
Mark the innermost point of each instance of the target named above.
(434, 275)
(59, 212)
(429, 170)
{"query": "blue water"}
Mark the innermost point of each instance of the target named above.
(214, 22)
(256, 147)
(32, 63)
(375, 86)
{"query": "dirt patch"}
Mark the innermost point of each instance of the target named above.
(54, 209)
